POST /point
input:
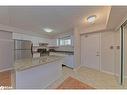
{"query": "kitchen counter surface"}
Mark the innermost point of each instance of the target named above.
(33, 62)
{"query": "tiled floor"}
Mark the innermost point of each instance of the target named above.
(91, 77)
(71, 83)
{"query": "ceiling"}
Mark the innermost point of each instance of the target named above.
(61, 19)
(117, 15)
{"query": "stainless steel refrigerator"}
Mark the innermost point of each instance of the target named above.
(22, 49)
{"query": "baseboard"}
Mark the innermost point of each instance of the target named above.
(111, 73)
(2, 70)
(107, 72)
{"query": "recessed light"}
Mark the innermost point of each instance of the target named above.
(48, 30)
(91, 19)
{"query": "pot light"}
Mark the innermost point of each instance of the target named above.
(91, 19)
(48, 30)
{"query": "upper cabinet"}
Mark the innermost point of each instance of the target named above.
(35, 40)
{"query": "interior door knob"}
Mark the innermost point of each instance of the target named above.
(118, 47)
(111, 47)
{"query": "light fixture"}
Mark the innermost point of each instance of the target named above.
(48, 30)
(91, 19)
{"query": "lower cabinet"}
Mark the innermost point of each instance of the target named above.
(69, 61)
(39, 77)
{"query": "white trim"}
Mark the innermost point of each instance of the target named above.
(107, 72)
(100, 56)
(6, 69)
(8, 40)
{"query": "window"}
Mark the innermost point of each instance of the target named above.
(64, 41)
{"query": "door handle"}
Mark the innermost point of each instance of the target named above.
(118, 47)
(98, 53)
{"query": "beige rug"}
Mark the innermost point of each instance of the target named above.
(71, 83)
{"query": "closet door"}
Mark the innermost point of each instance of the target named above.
(83, 50)
(90, 50)
(107, 52)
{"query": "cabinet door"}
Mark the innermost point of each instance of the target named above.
(69, 61)
(6, 54)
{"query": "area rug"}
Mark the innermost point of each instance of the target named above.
(71, 83)
(5, 78)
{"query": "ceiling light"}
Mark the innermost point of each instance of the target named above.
(91, 19)
(48, 30)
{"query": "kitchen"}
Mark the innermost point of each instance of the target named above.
(40, 55)
(55, 47)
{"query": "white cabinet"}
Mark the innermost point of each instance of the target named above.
(6, 51)
(69, 61)
(39, 77)
(35, 40)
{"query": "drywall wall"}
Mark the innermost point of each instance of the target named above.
(77, 48)
(6, 51)
(91, 29)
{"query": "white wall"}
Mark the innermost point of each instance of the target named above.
(36, 40)
(6, 51)
(91, 29)
(77, 48)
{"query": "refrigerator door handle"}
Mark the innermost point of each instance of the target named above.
(32, 50)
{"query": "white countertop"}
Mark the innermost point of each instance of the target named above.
(32, 62)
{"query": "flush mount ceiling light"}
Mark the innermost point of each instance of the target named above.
(91, 19)
(48, 30)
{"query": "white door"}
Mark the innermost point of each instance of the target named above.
(90, 50)
(107, 52)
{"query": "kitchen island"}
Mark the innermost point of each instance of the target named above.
(37, 73)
